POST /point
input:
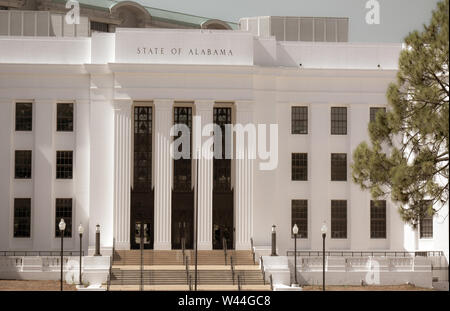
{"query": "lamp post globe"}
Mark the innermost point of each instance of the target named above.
(324, 230)
(295, 232)
(80, 232)
(62, 227)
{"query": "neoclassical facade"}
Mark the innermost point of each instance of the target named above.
(86, 134)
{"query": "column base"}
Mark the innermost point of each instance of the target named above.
(122, 246)
(162, 246)
(243, 246)
(205, 246)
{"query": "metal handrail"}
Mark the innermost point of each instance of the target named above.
(186, 260)
(232, 268)
(239, 282)
(190, 282)
(224, 245)
(183, 247)
(253, 249)
(41, 253)
(111, 264)
(271, 282)
(262, 269)
(367, 253)
(141, 287)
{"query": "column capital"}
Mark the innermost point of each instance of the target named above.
(204, 104)
(163, 103)
(244, 105)
(122, 104)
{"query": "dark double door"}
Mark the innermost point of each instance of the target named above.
(142, 220)
(223, 224)
(182, 219)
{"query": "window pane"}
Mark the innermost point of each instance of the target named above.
(378, 219)
(426, 221)
(64, 211)
(100, 27)
(299, 166)
(142, 152)
(374, 111)
(64, 164)
(339, 219)
(338, 120)
(22, 218)
(23, 164)
(222, 166)
(64, 120)
(299, 216)
(182, 168)
(24, 116)
(338, 166)
(299, 117)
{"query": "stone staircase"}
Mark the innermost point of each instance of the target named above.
(165, 270)
(175, 257)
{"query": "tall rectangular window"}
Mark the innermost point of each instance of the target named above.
(22, 166)
(378, 219)
(374, 111)
(182, 167)
(64, 117)
(142, 151)
(299, 166)
(299, 116)
(338, 219)
(222, 116)
(22, 218)
(338, 120)
(339, 167)
(426, 221)
(64, 164)
(63, 209)
(299, 216)
(24, 116)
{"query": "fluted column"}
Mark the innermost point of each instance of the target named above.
(244, 183)
(163, 173)
(204, 109)
(122, 173)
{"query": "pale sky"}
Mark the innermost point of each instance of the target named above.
(397, 17)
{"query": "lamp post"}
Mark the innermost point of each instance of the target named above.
(97, 241)
(324, 234)
(274, 241)
(80, 232)
(295, 232)
(62, 227)
(196, 220)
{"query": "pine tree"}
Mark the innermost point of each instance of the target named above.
(414, 130)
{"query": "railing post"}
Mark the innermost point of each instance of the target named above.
(232, 268)
(224, 245)
(188, 276)
(253, 249)
(239, 282)
(141, 244)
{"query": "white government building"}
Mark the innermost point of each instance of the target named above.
(86, 112)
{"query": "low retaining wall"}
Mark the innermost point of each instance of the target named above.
(95, 269)
(350, 270)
